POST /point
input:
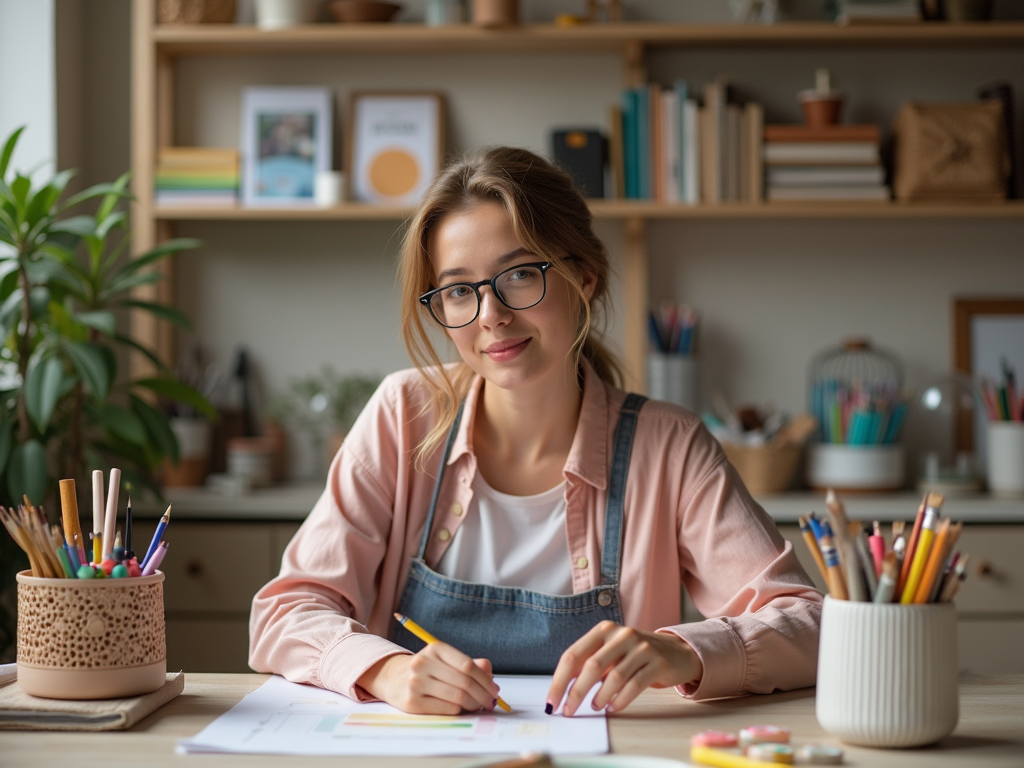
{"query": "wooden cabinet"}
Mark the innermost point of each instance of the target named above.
(213, 571)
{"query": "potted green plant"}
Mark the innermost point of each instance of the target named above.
(65, 405)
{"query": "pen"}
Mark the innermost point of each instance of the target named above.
(429, 639)
(154, 562)
(110, 518)
(129, 553)
(158, 534)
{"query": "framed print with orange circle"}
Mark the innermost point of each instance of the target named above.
(394, 145)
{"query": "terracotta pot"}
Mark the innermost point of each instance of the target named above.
(495, 13)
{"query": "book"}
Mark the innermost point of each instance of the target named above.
(582, 153)
(670, 143)
(753, 117)
(832, 133)
(643, 135)
(837, 153)
(615, 153)
(630, 144)
(713, 130)
(691, 153)
(197, 156)
(731, 156)
(19, 711)
(682, 91)
(877, 192)
(708, 166)
(869, 11)
(825, 175)
(657, 160)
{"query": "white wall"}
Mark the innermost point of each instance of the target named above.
(27, 80)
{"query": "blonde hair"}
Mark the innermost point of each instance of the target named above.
(548, 216)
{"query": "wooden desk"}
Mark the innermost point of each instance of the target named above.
(990, 733)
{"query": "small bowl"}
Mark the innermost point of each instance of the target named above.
(363, 11)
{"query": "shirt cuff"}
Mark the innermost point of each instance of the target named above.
(721, 652)
(346, 662)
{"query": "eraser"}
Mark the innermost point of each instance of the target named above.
(720, 739)
(763, 734)
(771, 753)
(819, 754)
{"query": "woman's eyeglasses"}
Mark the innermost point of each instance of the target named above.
(458, 304)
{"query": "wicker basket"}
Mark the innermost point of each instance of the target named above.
(91, 638)
(195, 11)
(764, 469)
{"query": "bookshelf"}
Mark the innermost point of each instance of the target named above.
(157, 50)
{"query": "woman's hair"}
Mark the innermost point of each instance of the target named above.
(548, 216)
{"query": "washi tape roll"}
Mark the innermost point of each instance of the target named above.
(771, 753)
(719, 739)
(819, 754)
(763, 734)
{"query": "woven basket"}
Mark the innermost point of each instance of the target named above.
(91, 638)
(764, 469)
(195, 11)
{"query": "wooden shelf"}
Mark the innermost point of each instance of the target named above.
(230, 39)
(628, 209)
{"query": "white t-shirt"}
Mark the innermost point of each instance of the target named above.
(512, 541)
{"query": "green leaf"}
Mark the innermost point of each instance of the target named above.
(76, 225)
(6, 443)
(163, 250)
(157, 426)
(103, 322)
(176, 390)
(114, 287)
(92, 365)
(105, 225)
(113, 198)
(97, 190)
(26, 472)
(42, 269)
(42, 390)
(64, 324)
(8, 150)
(164, 312)
(20, 188)
(147, 353)
(121, 422)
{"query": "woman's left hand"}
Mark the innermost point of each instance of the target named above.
(627, 661)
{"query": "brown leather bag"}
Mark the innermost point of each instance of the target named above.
(950, 152)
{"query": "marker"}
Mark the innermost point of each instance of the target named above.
(110, 519)
(429, 639)
(158, 534)
(877, 544)
(154, 562)
(97, 516)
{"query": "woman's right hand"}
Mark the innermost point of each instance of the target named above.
(439, 680)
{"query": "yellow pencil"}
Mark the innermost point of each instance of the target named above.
(923, 549)
(722, 759)
(429, 639)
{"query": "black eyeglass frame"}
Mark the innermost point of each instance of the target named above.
(543, 266)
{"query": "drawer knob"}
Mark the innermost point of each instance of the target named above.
(985, 569)
(194, 568)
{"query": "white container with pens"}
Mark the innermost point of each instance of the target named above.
(672, 364)
(887, 653)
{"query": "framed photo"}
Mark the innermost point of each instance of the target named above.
(985, 333)
(394, 145)
(286, 141)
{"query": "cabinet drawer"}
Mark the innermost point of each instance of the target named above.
(208, 645)
(995, 572)
(212, 567)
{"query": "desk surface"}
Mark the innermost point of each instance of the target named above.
(990, 733)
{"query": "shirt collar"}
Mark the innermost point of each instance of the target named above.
(588, 456)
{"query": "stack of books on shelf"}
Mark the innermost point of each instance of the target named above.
(836, 162)
(669, 147)
(197, 176)
(878, 11)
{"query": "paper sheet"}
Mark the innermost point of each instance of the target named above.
(285, 718)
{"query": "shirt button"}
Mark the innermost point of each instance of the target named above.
(604, 598)
(456, 509)
(444, 534)
(581, 563)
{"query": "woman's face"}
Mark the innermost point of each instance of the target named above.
(511, 348)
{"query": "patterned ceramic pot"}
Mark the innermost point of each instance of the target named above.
(91, 639)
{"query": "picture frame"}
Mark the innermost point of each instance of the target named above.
(393, 145)
(286, 142)
(985, 330)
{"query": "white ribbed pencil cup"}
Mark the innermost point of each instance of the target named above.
(887, 674)
(672, 378)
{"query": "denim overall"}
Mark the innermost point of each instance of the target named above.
(519, 631)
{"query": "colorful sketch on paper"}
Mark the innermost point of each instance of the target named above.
(389, 720)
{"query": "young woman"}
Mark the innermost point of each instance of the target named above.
(518, 505)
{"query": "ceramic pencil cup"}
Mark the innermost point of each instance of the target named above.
(91, 639)
(887, 674)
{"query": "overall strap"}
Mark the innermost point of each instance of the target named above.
(621, 451)
(437, 483)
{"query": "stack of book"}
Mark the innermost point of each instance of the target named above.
(197, 176)
(838, 162)
(667, 146)
(878, 11)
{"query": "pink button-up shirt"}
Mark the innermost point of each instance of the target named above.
(689, 521)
